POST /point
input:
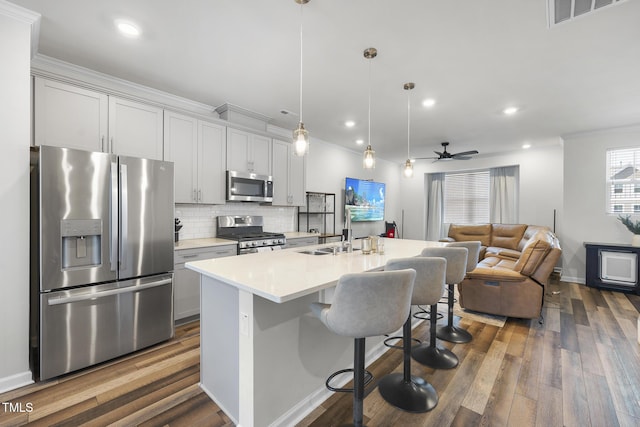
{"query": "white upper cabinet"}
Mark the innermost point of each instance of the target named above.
(198, 150)
(135, 129)
(181, 148)
(212, 160)
(248, 152)
(288, 175)
(70, 116)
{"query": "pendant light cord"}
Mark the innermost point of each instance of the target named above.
(408, 126)
(369, 118)
(301, 7)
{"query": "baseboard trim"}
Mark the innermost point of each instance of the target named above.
(579, 280)
(220, 405)
(16, 381)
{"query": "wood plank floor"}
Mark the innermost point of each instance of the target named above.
(580, 368)
(153, 387)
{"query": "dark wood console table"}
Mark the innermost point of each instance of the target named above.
(613, 266)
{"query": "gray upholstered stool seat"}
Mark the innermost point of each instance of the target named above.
(431, 355)
(451, 332)
(404, 391)
(364, 305)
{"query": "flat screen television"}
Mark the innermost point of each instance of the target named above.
(365, 199)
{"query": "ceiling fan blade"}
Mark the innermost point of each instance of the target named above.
(465, 153)
(438, 153)
(462, 158)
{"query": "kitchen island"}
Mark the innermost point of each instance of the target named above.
(264, 357)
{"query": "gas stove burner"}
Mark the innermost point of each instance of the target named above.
(247, 231)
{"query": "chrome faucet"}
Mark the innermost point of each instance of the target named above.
(348, 243)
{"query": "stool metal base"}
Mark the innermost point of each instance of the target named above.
(416, 395)
(387, 344)
(434, 357)
(453, 334)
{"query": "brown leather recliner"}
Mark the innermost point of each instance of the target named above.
(512, 287)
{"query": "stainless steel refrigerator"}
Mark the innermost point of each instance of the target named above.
(101, 257)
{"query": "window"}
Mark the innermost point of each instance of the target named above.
(466, 197)
(623, 181)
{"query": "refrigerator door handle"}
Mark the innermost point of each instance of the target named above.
(113, 256)
(111, 292)
(124, 212)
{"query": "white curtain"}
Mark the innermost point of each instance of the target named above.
(503, 195)
(435, 206)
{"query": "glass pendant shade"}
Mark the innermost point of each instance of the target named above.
(369, 158)
(300, 140)
(408, 169)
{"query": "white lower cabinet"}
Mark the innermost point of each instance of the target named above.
(186, 283)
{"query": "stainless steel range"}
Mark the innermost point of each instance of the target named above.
(247, 231)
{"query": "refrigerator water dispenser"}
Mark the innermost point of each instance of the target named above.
(81, 242)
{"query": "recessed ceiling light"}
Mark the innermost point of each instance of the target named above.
(509, 111)
(127, 28)
(359, 141)
(525, 146)
(429, 102)
(349, 123)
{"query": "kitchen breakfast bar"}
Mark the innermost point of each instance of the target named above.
(264, 357)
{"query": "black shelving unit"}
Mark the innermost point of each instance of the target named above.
(319, 213)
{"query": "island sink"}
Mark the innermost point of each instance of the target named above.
(327, 250)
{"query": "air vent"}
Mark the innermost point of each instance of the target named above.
(560, 11)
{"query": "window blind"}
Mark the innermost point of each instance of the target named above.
(623, 180)
(466, 197)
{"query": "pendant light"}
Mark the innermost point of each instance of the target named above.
(369, 157)
(408, 166)
(300, 135)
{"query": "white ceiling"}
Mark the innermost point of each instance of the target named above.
(475, 57)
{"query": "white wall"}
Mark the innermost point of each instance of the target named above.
(540, 186)
(327, 167)
(585, 217)
(15, 46)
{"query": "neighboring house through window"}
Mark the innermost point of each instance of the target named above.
(623, 181)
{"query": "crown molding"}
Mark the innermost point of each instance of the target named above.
(55, 69)
(28, 17)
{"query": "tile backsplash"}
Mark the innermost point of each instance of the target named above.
(199, 221)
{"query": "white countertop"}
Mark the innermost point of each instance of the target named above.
(202, 243)
(284, 275)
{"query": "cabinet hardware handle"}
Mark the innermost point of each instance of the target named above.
(190, 256)
(199, 195)
(102, 143)
(195, 196)
(112, 148)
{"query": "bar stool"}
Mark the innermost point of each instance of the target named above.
(431, 355)
(365, 305)
(450, 332)
(404, 391)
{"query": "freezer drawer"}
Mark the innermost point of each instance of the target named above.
(89, 325)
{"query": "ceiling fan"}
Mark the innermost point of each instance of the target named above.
(445, 155)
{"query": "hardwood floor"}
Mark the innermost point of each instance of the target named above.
(154, 387)
(580, 368)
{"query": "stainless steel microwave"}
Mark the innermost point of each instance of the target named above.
(249, 187)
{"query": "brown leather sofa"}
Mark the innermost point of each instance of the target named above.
(513, 270)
